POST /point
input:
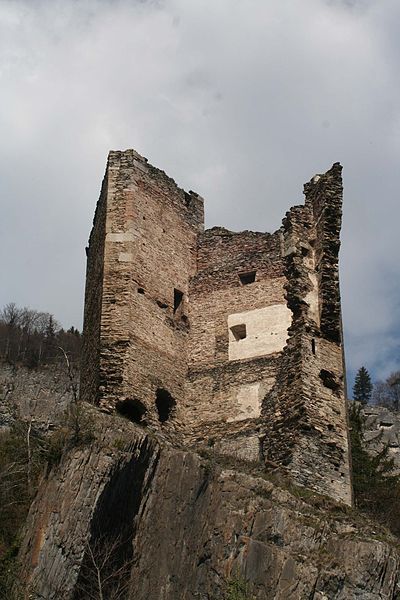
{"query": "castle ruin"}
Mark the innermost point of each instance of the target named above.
(213, 338)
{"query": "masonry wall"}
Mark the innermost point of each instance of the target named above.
(150, 251)
(306, 411)
(228, 376)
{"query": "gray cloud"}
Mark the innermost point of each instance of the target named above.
(241, 101)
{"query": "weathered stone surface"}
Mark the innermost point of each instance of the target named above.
(382, 428)
(193, 524)
(305, 412)
(142, 248)
(38, 395)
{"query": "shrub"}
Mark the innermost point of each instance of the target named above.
(238, 589)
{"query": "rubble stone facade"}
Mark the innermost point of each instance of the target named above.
(230, 340)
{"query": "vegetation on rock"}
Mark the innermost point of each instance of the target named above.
(238, 589)
(376, 488)
(33, 338)
(22, 459)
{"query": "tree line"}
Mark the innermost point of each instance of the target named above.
(34, 338)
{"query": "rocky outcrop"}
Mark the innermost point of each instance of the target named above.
(39, 395)
(382, 428)
(176, 525)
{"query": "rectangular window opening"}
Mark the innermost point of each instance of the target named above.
(246, 278)
(385, 425)
(239, 332)
(178, 298)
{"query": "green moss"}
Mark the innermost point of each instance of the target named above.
(119, 444)
(238, 589)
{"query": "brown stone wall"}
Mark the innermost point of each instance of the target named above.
(306, 411)
(243, 330)
(218, 385)
(150, 250)
(324, 194)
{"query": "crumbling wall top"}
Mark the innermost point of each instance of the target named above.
(136, 167)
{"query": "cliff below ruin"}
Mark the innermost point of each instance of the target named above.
(131, 515)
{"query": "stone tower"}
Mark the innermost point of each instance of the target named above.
(231, 340)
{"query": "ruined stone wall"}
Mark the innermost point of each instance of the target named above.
(238, 326)
(240, 333)
(150, 254)
(306, 411)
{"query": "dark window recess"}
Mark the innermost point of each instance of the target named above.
(246, 278)
(162, 304)
(239, 332)
(178, 298)
(140, 290)
(304, 251)
(165, 404)
(132, 409)
(313, 346)
(329, 379)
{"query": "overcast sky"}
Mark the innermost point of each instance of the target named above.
(242, 101)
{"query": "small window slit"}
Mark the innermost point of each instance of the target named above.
(248, 277)
(239, 332)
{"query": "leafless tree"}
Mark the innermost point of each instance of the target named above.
(11, 314)
(76, 409)
(103, 576)
(387, 393)
(31, 337)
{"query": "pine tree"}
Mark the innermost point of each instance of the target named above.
(362, 388)
(50, 338)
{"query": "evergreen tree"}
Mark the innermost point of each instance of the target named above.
(50, 329)
(362, 388)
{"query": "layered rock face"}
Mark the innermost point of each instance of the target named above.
(175, 525)
(382, 428)
(215, 337)
(40, 396)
